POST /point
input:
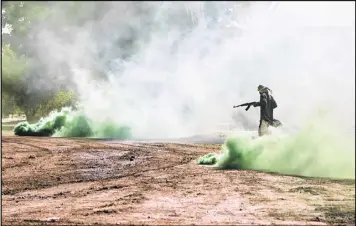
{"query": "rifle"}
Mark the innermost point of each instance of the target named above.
(246, 104)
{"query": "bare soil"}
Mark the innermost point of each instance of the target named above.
(58, 181)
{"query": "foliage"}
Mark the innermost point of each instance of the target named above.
(56, 102)
(8, 105)
(22, 17)
(29, 80)
(13, 66)
(20, 65)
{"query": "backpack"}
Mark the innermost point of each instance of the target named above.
(273, 102)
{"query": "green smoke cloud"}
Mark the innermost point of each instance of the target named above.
(69, 123)
(315, 151)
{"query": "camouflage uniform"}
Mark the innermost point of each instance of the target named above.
(266, 104)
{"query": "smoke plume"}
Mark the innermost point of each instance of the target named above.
(170, 69)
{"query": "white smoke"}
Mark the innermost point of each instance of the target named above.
(179, 80)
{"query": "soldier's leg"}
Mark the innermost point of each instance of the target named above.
(259, 129)
(263, 128)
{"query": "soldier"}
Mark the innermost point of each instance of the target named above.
(267, 104)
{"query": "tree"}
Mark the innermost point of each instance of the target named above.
(16, 95)
(12, 68)
(21, 17)
(56, 102)
(8, 105)
(23, 68)
(20, 65)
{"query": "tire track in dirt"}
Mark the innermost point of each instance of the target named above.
(70, 169)
(162, 184)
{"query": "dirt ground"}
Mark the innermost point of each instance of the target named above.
(82, 181)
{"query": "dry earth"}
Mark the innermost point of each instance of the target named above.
(80, 181)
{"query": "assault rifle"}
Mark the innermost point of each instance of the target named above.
(246, 104)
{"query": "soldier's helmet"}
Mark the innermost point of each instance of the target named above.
(260, 88)
(263, 89)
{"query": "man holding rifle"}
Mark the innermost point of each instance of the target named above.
(267, 104)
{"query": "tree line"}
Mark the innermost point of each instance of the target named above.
(21, 67)
(23, 89)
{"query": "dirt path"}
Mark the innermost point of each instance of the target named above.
(78, 181)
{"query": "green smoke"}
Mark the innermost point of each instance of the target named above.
(313, 152)
(208, 159)
(69, 123)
